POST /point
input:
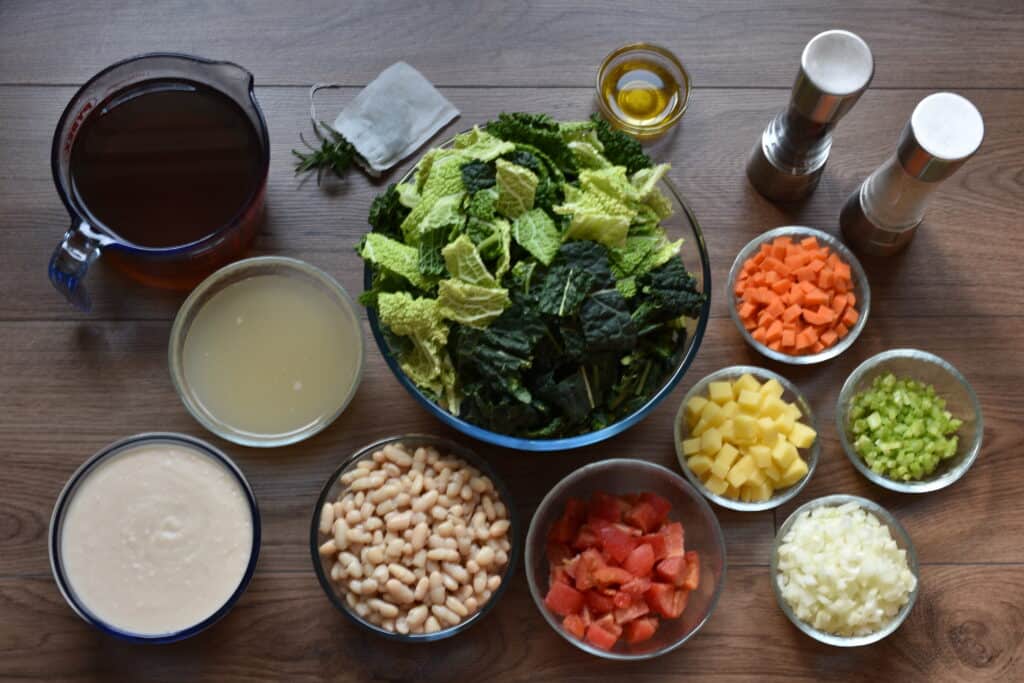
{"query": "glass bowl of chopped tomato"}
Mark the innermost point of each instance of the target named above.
(625, 559)
(798, 295)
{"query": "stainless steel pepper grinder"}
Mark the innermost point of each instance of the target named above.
(882, 215)
(789, 158)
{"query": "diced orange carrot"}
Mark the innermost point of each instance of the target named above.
(791, 313)
(788, 339)
(807, 286)
(815, 317)
(842, 271)
(774, 331)
(816, 297)
(850, 317)
(825, 278)
(759, 334)
(809, 242)
(775, 346)
(851, 299)
(796, 296)
(812, 333)
(747, 309)
(778, 250)
(775, 307)
(764, 319)
(803, 341)
(829, 338)
(818, 347)
(842, 330)
(841, 286)
(781, 286)
(839, 303)
(816, 266)
(805, 274)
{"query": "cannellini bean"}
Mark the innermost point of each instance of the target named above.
(386, 507)
(378, 537)
(465, 592)
(472, 567)
(446, 555)
(399, 522)
(425, 502)
(378, 456)
(480, 581)
(446, 528)
(477, 484)
(445, 615)
(394, 548)
(455, 605)
(401, 573)
(500, 528)
(356, 586)
(375, 555)
(362, 609)
(337, 572)
(466, 493)
(402, 500)
(484, 557)
(367, 509)
(421, 590)
(456, 571)
(386, 609)
(340, 534)
(417, 615)
(419, 535)
(439, 513)
(383, 493)
(373, 523)
(503, 544)
(493, 582)
(328, 547)
(501, 510)
(397, 456)
(419, 560)
(326, 518)
(432, 625)
(392, 470)
(501, 558)
(488, 505)
(402, 625)
(339, 509)
(367, 482)
(380, 573)
(471, 603)
(399, 592)
(353, 517)
(370, 586)
(358, 536)
(416, 487)
(485, 596)
(450, 584)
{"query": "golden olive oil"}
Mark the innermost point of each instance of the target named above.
(640, 92)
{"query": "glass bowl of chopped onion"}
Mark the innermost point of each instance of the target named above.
(844, 571)
(917, 441)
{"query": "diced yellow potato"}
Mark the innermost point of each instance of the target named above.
(757, 477)
(794, 473)
(773, 407)
(701, 427)
(784, 453)
(711, 441)
(772, 388)
(691, 446)
(744, 468)
(732, 492)
(760, 492)
(746, 382)
(730, 409)
(693, 409)
(716, 485)
(769, 434)
(699, 464)
(711, 413)
(773, 473)
(727, 428)
(761, 454)
(747, 493)
(720, 392)
(724, 460)
(745, 429)
(802, 436)
(784, 423)
(749, 401)
(794, 410)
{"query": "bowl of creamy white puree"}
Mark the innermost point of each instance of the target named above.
(155, 537)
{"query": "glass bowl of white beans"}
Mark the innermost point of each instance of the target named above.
(414, 538)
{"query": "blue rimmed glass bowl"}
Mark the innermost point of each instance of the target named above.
(67, 494)
(694, 255)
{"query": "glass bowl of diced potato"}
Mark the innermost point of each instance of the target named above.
(746, 437)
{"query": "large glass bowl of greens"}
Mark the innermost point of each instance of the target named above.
(535, 284)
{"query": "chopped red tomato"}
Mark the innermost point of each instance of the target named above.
(640, 630)
(584, 567)
(599, 637)
(692, 576)
(558, 552)
(607, 576)
(559, 575)
(666, 599)
(673, 533)
(657, 543)
(604, 506)
(585, 538)
(640, 560)
(563, 599)
(622, 599)
(574, 624)
(638, 585)
(672, 570)
(660, 505)
(598, 603)
(624, 615)
(643, 516)
(617, 544)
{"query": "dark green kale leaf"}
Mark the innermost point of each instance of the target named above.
(620, 148)
(571, 396)
(431, 261)
(606, 322)
(539, 130)
(478, 175)
(666, 293)
(563, 290)
(523, 158)
(550, 178)
(387, 213)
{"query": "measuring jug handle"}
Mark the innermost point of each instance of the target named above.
(70, 261)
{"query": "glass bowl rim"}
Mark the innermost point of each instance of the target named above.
(947, 478)
(566, 442)
(67, 494)
(335, 595)
(194, 302)
(902, 539)
(686, 88)
(813, 453)
(558, 490)
(860, 280)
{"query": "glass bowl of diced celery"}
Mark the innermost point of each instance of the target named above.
(909, 421)
(706, 428)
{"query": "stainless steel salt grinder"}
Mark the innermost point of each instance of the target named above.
(789, 158)
(882, 216)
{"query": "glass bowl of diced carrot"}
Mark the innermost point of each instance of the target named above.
(798, 295)
(625, 559)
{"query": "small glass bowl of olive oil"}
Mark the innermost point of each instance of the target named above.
(642, 89)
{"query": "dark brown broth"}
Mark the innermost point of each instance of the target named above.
(166, 162)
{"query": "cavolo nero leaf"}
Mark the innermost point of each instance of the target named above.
(387, 212)
(478, 175)
(578, 268)
(619, 148)
(540, 131)
(666, 293)
(606, 322)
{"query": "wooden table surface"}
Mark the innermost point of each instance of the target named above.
(71, 383)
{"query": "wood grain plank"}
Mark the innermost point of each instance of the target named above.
(953, 255)
(284, 629)
(539, 42)
(68, 389)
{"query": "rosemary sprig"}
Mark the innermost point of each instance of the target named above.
(335, 154)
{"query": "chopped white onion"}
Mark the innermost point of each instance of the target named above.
(841, 571)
